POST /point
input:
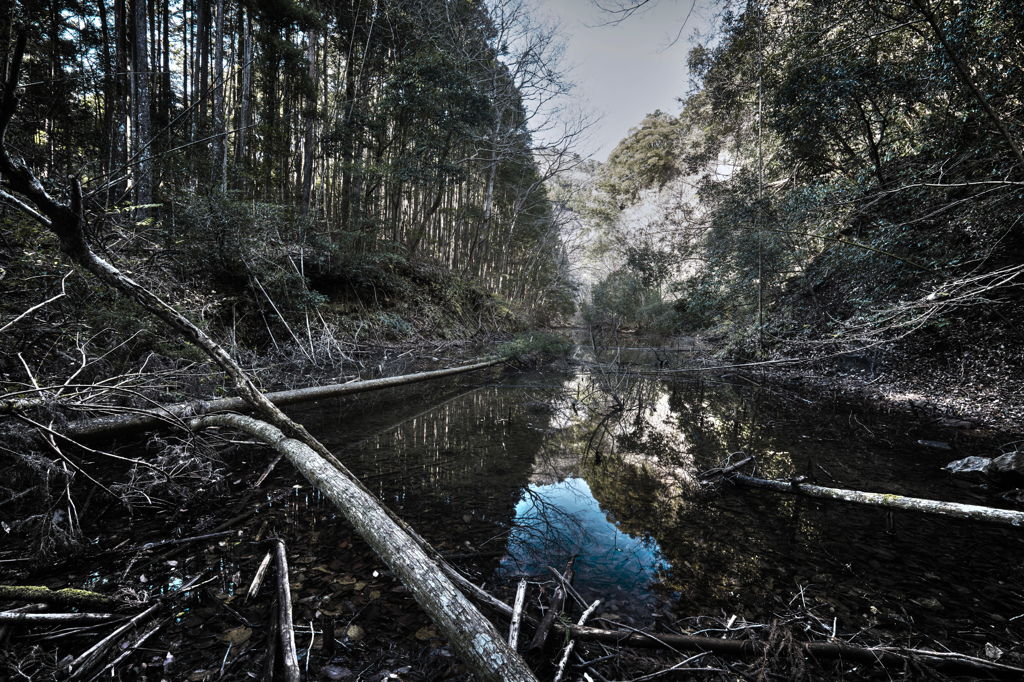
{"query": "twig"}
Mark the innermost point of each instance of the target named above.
(38, 305)
(572, 642)
(163, 543)
(257, 580)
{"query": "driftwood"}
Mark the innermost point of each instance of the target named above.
(893, 657)
(7, 628)
(80, 666)
(481, 646)
(131, 647)
(972, 512)
(55, 618)
(572, 642)
(555, 609)
(271, 659)
(257, 580)
(105, 427)
(82, 599)
(285, 630)
(517, 615)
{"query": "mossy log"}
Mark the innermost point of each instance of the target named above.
(482, 648)
(972, 512)
(113, 425)
(69, 597)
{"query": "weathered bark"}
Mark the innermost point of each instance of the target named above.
(972, 512)
(483, 649)
(56, 618)
(749, 648)
(6, 628)
(118, 424)
(67, 597)
(257, 580)
(284, 615)
(517, 615)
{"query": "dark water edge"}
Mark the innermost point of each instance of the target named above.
(513, 472)
(545, 466)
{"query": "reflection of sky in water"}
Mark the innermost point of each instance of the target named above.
(555, 521)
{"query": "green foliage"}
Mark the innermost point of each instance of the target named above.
(861, 168)
(529, 346)
(644, 159)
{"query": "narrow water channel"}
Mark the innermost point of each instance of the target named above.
(541, 467)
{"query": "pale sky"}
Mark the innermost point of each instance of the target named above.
(629, 70)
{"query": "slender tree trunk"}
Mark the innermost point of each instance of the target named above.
(142, 176)
(202, 53)
(245, 101)
(109, 96)
(167, 94)
(309, 138)
(220, 159)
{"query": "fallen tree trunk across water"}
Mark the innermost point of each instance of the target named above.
(1006, 517)
(749, 648)
(472, 635)
(105, 427)
(482, 648)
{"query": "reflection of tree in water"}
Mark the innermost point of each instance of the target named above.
(545, 533)
(645, 477)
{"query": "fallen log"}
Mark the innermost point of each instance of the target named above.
(108, 426)
(517, 615)
(6, 628)
(82, 599)
(481, 646)
(972, 512)
(56, 618)
(887, 657)
(284, 615)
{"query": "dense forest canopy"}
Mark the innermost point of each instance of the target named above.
(856, 167)
(301, 152)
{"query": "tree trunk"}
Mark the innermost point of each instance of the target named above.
(481, 646)
(309, 136)
(245, 101)
(110, 426)
(220, 158)
(141, 134)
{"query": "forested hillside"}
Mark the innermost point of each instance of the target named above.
(284, 169)
(841, 172)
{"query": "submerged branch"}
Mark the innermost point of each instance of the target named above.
(971, 512)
